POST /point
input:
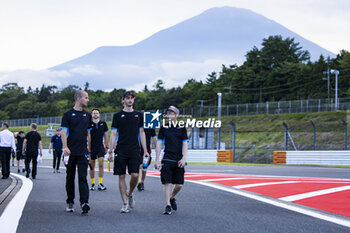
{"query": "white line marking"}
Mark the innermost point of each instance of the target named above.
(314, 193)
(192, 175)
(12, 214)
(219, 179)
(286, 205)
(263, 184)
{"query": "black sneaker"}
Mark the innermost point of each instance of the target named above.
(142, 186)
(23, 170)
(27, 174)
(18, 171)
(139, 186)
(101, 187)
(69, 207)
(92, 187)
(167, 210)
(85, 208)
(173, 203)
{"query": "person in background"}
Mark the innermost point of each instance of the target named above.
(31, 144)
(7, 144)
(150, 133)
(19, 145)
(98, 136)
(56, 144)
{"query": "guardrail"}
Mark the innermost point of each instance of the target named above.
(312, 157)
(204, 156)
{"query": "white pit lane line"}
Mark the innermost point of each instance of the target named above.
(12, 214)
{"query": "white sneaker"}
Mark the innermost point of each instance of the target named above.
(69, 207)
(131, 201)
(125, 208)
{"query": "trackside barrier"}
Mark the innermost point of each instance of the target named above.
(312, 157)
(279, 157)
(205, 156)
(225, 156)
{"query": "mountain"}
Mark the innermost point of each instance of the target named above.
(190, 49)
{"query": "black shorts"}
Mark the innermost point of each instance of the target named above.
(20, 156)
(171, 173)
(97, 154)
(131, 159)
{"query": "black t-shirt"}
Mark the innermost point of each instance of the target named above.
(128, 125)
(97, 132)
(149, 134)
(33, 139)
(19, 144)
(173, 137)
(77, 124)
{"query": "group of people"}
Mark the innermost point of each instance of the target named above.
(85, 139)
(24, 147)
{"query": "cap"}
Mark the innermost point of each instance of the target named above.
(58, 129)
(128, 93)
(174, 109)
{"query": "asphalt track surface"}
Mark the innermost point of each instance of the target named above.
(201, 208)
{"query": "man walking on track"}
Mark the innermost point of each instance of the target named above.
(56, 144)
(75, 125)
(31, 143)
(99, 146)
(7, 144)
(129, 125)
(19, 145)
(174, 160)
(150, 133)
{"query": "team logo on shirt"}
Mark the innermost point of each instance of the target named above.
(122, 115)
(151, 120)
(73, 114)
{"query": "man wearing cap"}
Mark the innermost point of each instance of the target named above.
(129, 125)
(174, 160)
(56, 144)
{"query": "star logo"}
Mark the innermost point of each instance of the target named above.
(151, 120)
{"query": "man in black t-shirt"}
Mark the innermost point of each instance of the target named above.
(75, 125)
(19, 146)
(30, 148)
(150, 134)
(98, 148)
(174, 160)
(129, 125)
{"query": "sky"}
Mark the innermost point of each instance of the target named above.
(39, 34)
